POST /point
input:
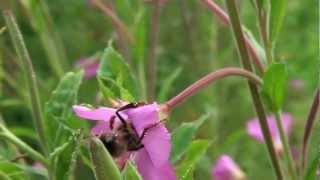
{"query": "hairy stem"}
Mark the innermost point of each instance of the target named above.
(308, 127)
(6, 134)
(210, 78)
(223, 16)
(240, 41)
(285, 144)
(153, 38)
(30, 76)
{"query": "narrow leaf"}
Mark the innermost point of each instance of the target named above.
(167, 84)
(59, 107)
(115, 78)
(183, 135)
(193, 154)
(274, 86)
(104, 166)
(277, 13)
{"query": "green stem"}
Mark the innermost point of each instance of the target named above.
(6, 134)
(30, 76)
(240, 40)
(285, 144)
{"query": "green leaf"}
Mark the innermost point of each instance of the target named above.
(274, 86)
(4, 176)
(104, 166)
(65, 156)
(114, 77)
(257, 45)
(130, 172)
(183, 135)
(192, 156)
(59, 108)
(167, 84)
(13, 171)
(277, 13)
(312, 169)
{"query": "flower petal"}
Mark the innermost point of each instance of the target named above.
(101, 113)
(149, 172)
(254, 130)
(100, 128)
(226, 169)
(143, 116)
(157, 143)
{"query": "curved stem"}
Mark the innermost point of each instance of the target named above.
(210, 78)
(226, 21)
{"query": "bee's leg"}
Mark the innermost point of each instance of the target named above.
(128, 106)
(111, 124)
(145, 130)
(136, 148)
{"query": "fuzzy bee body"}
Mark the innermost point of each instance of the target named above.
(122, 140)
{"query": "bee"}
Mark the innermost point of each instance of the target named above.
(124, 138)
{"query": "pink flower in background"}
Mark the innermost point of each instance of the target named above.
(90, 66)
(153, 159)
(297, 84)
(226, 169)
(254, 130)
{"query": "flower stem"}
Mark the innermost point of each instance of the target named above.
(210, 78)
(6, 134)
(152, 64)
(226, 20)
(237, 31)
(285, 143)
(308, 127)
(30, 76)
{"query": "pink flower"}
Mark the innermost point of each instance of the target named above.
(254, 130)
(226, 169)
(153, 159)
(297, 84)
(90, 66)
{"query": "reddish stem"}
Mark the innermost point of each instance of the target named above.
(308, 126)
(206, 80)
(223, 16)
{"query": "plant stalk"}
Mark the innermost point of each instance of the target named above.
(210, 78)
(242, 49)
(308, 128)
(286, 146)
(6, 134)
(30, 76)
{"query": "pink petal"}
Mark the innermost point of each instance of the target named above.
(101, 113)
(157, 139)
(100, 128)
(158, 145)
(226, 169)
(254, 130)
(149, 172)
(143, 116)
